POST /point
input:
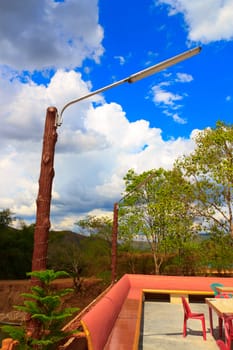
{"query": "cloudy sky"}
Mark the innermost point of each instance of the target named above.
(55, 51)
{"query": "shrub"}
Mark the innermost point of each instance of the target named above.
(44, 305)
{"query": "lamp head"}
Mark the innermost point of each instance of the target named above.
(163, 65)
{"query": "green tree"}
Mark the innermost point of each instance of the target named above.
(213, 251)
(98, 244)
(16, 248)
(210, 169)
(99, 226)
(6, 217)
(97, 257)
(188, 261)
(66, 252)
(44, 305)
(157, 205)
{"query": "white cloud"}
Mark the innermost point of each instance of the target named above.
(165, 97)
(96, 146)
(110, 122)
(169, 101)
(121, 59)
(178, 119)
(49, 34)
(184, 78)
(207, 21)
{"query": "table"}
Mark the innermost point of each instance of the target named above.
(223, 307)
(224, 289)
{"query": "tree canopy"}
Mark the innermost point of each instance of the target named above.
(6, 217)
(156, 206)
(98, 226)
(210, 170)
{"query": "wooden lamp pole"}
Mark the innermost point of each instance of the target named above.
(43, 202)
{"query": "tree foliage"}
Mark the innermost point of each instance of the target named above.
(6, 217)
(44, 305)
(210, 169)
(98, 226)
(156, 205)
(213, 251)
(16, 248)
(65, 252)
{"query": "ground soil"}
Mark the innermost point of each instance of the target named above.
(10, 295)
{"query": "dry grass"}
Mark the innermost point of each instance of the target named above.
(10, 294)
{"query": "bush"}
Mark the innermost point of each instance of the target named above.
(44, 305)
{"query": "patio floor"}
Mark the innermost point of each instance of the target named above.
(162, 326)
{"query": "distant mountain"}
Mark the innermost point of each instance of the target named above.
(66, 234)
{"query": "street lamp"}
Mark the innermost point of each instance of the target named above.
(53, 120)
(136, 76)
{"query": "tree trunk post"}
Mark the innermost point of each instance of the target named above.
(43, 202)
(114, 241)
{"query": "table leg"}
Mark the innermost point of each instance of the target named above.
(220, 323)
(211, 320)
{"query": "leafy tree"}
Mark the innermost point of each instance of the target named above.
(16, 251)
(210, 170)
(157, 205)
(44, 305)
(98, 226)
(6, 217)
(97, 256)
(98, 245)
(213, 251)
(188, 261)
(66, 252)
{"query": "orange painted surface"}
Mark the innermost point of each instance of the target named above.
(9, 344)
(109, 324)
(123, 332)
(99, 321)
(176, 282)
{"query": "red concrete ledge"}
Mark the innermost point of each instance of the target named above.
(102, 324)
(194, 283)
(99, 322)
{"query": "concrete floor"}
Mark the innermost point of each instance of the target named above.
(163, 326)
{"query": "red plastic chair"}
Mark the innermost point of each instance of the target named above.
(217, 294)
(228, 331)
(194, 315)
(222, 345)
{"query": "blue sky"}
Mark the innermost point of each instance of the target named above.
(56, 51)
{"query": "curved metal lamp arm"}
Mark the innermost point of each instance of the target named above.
(133, 78)
(87, 96)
